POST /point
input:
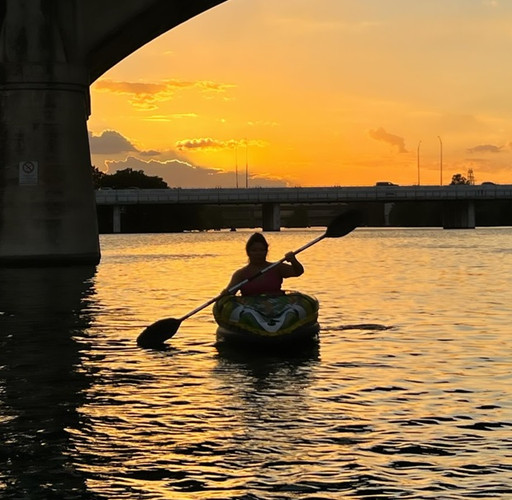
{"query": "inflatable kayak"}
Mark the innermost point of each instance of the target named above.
(287, 319)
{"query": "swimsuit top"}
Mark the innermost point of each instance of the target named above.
(269, 282)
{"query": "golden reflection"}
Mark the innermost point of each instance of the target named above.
(428, 378)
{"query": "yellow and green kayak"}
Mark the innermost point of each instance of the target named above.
(290, 318)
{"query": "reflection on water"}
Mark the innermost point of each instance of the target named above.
(406, 396)
(41, 379)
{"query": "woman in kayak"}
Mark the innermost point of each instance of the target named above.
(270, 281)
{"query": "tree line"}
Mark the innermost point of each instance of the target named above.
(126, 179)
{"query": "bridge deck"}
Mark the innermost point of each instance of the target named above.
(302, 195)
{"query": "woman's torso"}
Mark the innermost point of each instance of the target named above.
(268, 282)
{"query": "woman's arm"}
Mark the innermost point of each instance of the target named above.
(294, 268)
(235, 279)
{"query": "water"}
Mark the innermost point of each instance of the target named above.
(408, 395)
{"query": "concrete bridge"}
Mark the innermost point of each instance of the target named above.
(51, 51)
(459, 209)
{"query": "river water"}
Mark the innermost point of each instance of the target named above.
(409, 394)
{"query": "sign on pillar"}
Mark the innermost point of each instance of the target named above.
(28, 173)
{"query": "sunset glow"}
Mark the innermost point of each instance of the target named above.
(302, 93)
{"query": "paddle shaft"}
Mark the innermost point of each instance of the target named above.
(236, 287)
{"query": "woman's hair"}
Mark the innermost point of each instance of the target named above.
(256, 238)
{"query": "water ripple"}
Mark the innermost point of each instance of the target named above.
(407, 395)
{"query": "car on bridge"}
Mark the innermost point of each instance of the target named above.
(385, 183)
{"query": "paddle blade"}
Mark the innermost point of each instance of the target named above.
(343, 224)
(157, 333)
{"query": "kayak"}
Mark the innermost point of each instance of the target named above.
(267, 320)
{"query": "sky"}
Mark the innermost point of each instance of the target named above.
(315, 93)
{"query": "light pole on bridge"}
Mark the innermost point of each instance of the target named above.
(418, 161)
(236, 166)
(440, 161)
(246, 164)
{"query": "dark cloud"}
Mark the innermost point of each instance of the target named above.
(179, 173)
(485, 148)
(150, 152)
(110, 148)
(381, 135)
(109, 142)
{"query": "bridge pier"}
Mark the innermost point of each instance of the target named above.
(47, 206)
(459, 215)
(50, 52)
(271, 215)
(388, 208)
(117, 210)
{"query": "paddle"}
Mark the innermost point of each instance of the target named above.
(160, 331)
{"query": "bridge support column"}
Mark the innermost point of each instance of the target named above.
(388, 207)
(47, 205)
(459, 215)
(116, 218)
(271, 217)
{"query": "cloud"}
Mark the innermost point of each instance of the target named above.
(169, 118)
(205, 143)
(262, 124)
(110, 149)
(209, 144)
(180, 173)
(146, 95)
(381, 135)
(109, 142)
(150, 152)
(486, 148)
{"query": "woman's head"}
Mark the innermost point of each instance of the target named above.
(256, 247)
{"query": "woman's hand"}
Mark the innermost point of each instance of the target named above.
(296, 266)
(290, 257)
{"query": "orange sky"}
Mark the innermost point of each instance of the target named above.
(315, 93)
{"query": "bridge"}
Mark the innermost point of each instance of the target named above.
(459, 210)
(51, 52)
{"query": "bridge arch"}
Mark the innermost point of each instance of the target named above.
(120, 31)
(51, 51)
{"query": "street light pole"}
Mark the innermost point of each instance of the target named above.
(418, 161)
(246, 164)
(236, 166)
(440, 160)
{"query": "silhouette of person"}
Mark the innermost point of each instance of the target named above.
(269, 282)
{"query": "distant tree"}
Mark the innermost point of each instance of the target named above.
(458, 179)
(97, 177)
(127, 178)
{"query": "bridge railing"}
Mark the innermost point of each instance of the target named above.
(302, 195)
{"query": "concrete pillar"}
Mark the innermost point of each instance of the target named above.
(47, 204)
(271, 217)
(459, 215)
(116, 218)
(388, 207)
